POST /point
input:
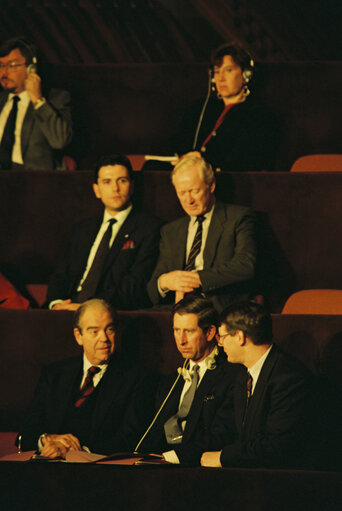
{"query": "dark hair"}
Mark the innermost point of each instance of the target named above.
(202, 307)
(113, 159)
(240, 56)
(250, 317)
(94, 302)
(27, 49)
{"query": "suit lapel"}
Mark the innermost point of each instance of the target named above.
(3, 99)
(255, 404)
(26, 129)
(125, 234)
(69, 380)
(203, 392)
(214, 234)
(179, 243)
(111, 384)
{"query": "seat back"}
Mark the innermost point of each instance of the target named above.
(314, 301)
(318, 163)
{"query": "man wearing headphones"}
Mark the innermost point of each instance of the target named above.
(33, 129)
(188, 402)
(230, 129)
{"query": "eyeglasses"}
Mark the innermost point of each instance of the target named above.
(220, 337)
(11, 66)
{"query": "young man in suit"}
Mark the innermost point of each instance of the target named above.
(273, 397)
(34, 130)
(99, 400)
(211, 250)
(111, 256)
(201, 391)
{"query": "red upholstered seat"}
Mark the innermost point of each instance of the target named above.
(318, 163)
(314, 301)
(137, 161)
(7, 439)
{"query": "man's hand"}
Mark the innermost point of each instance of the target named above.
(66, 305)
(178, 280)
(211, 459)
(58, 445)
(33, 85)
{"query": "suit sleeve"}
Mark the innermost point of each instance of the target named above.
(35, 423)
(283, 434)
(54, 119)
(164, 265)
(235, 256)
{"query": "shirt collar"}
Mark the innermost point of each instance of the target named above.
(208, 215)
(87, 365)
(120, 217)
(255, 370)
(24, 97)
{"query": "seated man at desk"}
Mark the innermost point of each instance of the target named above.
(211, 250)
(189, 401)
(98, 401)
(111, 256)
(273, 397)
(34, 129)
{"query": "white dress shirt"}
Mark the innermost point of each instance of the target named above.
(255, 370)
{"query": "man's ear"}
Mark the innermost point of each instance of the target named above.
(78, 336)
(211, 333)
(213, 186)
(241, 337)
(96, 190)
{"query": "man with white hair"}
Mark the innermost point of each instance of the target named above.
(211, 251)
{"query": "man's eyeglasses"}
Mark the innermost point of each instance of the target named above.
(11, 66)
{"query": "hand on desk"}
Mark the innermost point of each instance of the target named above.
(56, 446)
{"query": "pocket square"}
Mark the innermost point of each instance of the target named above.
(128, 245)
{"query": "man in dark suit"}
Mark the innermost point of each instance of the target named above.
(212, 250)
(119, 271)
(189, 401)
(273, 398)
(100, 400)
(39, 128)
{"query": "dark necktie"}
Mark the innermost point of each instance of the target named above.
(249, 386)
(88, 386)
(8, 137)
(172, 427)
(90, 284)
(196, 245)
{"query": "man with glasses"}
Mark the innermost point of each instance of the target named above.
(99, 401)
(34, 129)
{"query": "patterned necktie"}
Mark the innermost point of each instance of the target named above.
(88, 386)
(90, 284)
(8, 137)
(196, 245)
(172, 427)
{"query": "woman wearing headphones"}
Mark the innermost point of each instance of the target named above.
(230, 129)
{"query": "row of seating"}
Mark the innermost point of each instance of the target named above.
(308, 163)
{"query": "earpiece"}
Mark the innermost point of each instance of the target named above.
(33, 67)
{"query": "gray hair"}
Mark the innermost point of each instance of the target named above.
(205, 169)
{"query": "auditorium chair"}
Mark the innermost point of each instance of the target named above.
(137, 160)
(318, 163)
(314, 301)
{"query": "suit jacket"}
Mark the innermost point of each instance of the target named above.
(124, 405)
(45, 131)
(127, 268)
(229, 255)
(213, 400)
(279, 420)
(246, 141)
